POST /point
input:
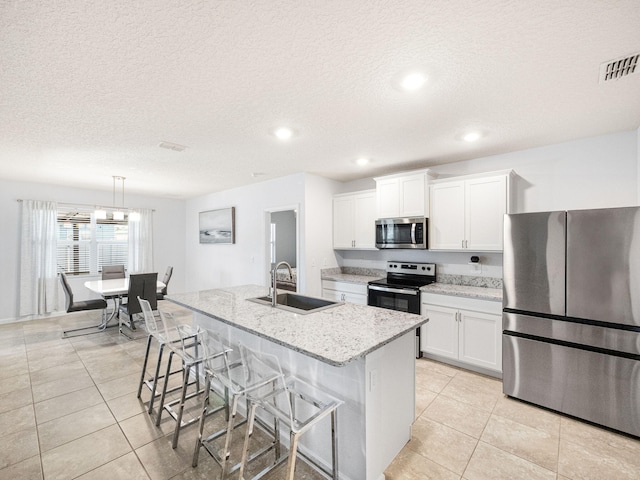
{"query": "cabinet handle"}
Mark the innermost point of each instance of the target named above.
(462, 243)
(466, 244)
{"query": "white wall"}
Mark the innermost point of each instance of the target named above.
(638, 161)
(168, 225)
(246, 262)
(596, 172)
(318, 224)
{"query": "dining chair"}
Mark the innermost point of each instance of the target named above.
(79, 306)
(143, 285)
(112, 271)
(165, 280)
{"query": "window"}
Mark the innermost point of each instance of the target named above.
(85, 244)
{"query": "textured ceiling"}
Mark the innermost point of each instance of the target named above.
(89, 89)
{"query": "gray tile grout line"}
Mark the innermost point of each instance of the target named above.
(117, 422)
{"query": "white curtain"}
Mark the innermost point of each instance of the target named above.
(38, 270)
(141, 243)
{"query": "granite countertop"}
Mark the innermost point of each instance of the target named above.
(350, 277)
(482, 288)
(481, 293)
(336, 336)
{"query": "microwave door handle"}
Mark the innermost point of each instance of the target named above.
(413, 233)
(393, 290)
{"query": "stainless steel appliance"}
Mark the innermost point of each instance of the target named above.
(400, 290)
(401, 233)
(571, 317)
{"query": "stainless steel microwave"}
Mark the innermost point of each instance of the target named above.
(401, 233)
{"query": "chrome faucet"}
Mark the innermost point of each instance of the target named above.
(274, 290)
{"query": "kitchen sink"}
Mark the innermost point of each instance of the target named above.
(293, 302)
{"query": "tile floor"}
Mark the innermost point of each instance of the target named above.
(68, 409)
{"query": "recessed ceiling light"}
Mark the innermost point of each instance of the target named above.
(283, 133)
(362, 161)
(471, 136)
(413, 81)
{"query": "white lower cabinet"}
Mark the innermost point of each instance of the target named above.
(464, 330)
(344, 292)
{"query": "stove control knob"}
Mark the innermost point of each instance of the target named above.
(424, 268)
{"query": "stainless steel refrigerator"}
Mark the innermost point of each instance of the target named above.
(571, 316)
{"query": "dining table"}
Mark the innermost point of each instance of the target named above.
(114, 289)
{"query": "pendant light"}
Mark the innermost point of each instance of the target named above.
(118, 211)
(118, 214)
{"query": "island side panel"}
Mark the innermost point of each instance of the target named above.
(346, 383)
(390, 402)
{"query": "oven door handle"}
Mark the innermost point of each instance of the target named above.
(394, 290)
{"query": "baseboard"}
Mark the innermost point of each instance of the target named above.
(466, 366)
(28, 318)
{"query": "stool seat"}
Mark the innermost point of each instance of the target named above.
(192, 355)
(166, 331)
(299, 406)
(232, 377)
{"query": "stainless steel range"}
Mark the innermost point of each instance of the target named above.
(400, 290)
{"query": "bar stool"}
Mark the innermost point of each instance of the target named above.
(231, 378)
(192, 355)
(299, 406)
(165, 331)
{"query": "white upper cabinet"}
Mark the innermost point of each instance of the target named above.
(403, 195)
(468, 213)
(446, 222)
(354, 217)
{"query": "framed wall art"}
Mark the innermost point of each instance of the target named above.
(218, 226)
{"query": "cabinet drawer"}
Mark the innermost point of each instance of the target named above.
(345, 287)
(452, 301)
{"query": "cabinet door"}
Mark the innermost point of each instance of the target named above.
(412, 196)
(356, 298)
(388, 198)
(446, 221)
(343, 222)
(365, 220)
(332, 295)
(485, 206)
(440, 334)
(481, 339)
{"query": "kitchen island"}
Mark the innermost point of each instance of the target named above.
(362, 355)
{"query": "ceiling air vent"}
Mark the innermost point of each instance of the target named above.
(172, 146)
(618, 68)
